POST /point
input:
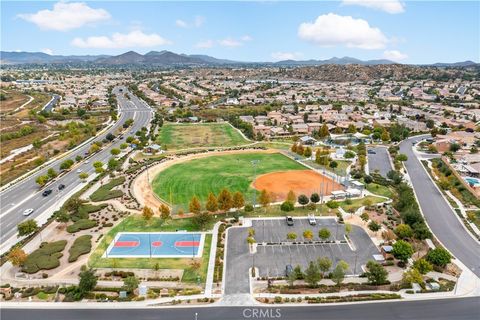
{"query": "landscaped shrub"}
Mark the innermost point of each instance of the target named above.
(105, 192)
(44, 258)
(81, 224)
(81, 245)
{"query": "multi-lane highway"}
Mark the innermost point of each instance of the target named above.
(27, 194)
(447, 309)
(440, 217)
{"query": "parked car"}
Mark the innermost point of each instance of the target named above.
(87, 161)
(61, 186)
(371, 152)
(79, 170)
(311, 219)
(46, 192)
(289, 220)
(27, 212)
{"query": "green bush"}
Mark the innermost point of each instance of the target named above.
(81, 224)
(81, 245)
(105, 192)
(44, 258)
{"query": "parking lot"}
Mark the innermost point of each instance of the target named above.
(275, 252)
(378, 159)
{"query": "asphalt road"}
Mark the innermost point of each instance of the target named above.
(379, 161)
(26, 194)
(448, 309)
(440, 217)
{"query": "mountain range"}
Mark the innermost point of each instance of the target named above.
(168, 58)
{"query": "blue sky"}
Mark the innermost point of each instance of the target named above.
(404, 31)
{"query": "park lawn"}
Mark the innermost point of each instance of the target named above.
(275, 145)
(354, 204)
(105, 192)
(274, 211)
(186, 136)
(380, 190)
(340, 170)
(180, 182)
(138, 224)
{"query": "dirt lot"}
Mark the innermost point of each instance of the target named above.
(301, 182)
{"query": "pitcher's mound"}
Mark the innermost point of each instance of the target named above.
(300, 181)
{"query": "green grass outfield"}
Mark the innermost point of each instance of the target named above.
(180, 182)
(185, 136)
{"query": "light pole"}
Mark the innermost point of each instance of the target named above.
(355, 268)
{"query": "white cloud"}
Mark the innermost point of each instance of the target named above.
(390, 6)
(66, 16)
(230, 42)
(277, 56)
(394, 55)
(47, 51)
(331, 30)
(199, 21)
(246, 38)
(134, 38)
(205, 44)
(181, 23)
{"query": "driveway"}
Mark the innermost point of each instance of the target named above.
(440, 217)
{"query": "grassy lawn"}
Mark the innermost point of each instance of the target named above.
(275, 145)
(184, 136)
(137, 223)
(105, 192)
(354, 204)
(380, 190)
(340, 170)
(180, 182)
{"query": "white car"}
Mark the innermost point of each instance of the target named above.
(79, 170)
(311, 219)
(27, 212)
(87, 161)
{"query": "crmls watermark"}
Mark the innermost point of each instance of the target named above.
(261, 313)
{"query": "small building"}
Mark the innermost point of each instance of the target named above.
(307, 140)
(387, 251)
(338, 194)
(152, 149)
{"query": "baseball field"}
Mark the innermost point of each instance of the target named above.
(199, 135)
(180, 182)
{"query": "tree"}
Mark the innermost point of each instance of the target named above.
(201, 219)
(368, 179)
(17, 256)
(312, 274)
(147, 213)
(164, 211)
(291, 197)
(291, 277)
(376, 273)
(66, 164)
(115, 152)
(225, 201)
(401, 157)
(349, 154)
(130, 283)
(333, 164)
(439, 257)
(308, 234)
(287, 206)
(402, 250)
(374, 226)
(324, 264)
(94, 148)
(194, 206)
(51, 173)
(323, 131)
(364, 216)
(314, 197)
(324, 234)
(404, 231)
(307, 152)
(291, 236)
(211, 204)
(112, 164)
(303, 200)
(62, 216)
(42, 180)
(423, 266)
(430, 123)
(412, 276)
(97, 164)
(88, 281)
(83, 175)
(454, 147)
(385, 135)
(238, 200)
(348, 229)
(338, 275)
(264, 199)
(27, 227)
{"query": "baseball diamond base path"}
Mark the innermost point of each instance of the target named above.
(300, 181)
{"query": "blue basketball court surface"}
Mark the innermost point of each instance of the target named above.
(156, 245)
